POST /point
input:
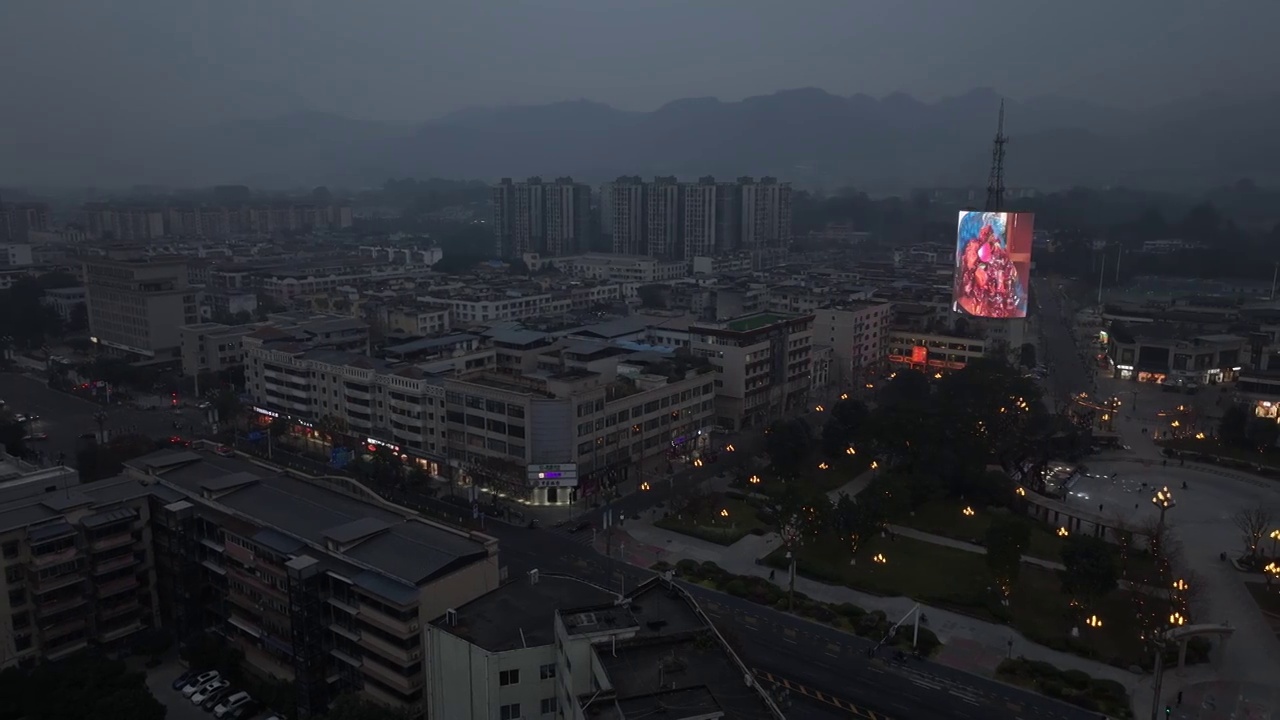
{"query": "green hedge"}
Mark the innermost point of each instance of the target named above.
(1073, 686)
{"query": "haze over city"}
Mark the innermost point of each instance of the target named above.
(102, 86)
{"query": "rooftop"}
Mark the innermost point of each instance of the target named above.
(403, 547)
(496, 621)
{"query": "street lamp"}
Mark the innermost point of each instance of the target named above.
(850, 451)
(1275, 535)
(1177, 620)
(724, 513)
(754, 479)
(1272, 570)
(879, 559)
(968, 511)
(644, 485)
(1163, 499)
(844, 396)
(1063, 532)
(1021, 491)
(823, 466)
(1093, 621)
(1180, 585)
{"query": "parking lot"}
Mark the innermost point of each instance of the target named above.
(160, 681)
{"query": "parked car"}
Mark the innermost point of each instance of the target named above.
(199, 696)
(224, 451)
(182, 680)
(215, 697)
(194, 684)
(231, 703)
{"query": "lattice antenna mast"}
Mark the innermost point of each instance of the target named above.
(995, 184)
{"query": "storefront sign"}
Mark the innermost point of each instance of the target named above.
(562, 475)
(383, 443)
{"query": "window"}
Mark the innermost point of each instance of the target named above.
(546, 672)
(11, 550)
(508, 677)
(509, 712)
(548, 705)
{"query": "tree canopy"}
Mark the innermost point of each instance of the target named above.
(79, 687)
(1092, 568)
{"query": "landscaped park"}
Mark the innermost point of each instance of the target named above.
(938, 518)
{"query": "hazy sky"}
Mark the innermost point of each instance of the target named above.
(145, 63)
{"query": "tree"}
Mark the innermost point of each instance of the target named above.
(1253, 524)
(846, 420)
(906, 387)
(856, 519)
(787, 444)
(82, 686)
(1231, 428)
(1092, 569)
(1006, 539)
(1027, 357)
(356, 707)
(1261, 433)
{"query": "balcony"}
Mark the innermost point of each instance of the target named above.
(64, 628)
(117, 586)
(114, 563)
(398, 628)
(113, 634)
(392, 653)
(351, 634)
(49, 609)
(344, 606)
(241, 553)
(58, 651)
(388, 676)
(110, 542)
(256, 583)
(113, 611)
(39, 586)
(54, 558)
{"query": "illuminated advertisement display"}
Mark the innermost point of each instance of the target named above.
(993, 264)
(919, 354)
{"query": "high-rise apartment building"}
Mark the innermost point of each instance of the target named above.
(137, 306)
(627, 215)
(662, 218)
(18, 221)
(699, 227)
(568, 217)
(728, 218)
(766, 213)
(538, 217)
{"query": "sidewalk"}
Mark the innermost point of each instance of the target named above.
(972, 645)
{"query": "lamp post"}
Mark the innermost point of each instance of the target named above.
(1163, 499)
(791, 538)
(1275, 535)
(100, 418)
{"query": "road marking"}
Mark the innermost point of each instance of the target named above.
(825, 698)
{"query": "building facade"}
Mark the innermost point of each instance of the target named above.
(763, 366)
(136, 307)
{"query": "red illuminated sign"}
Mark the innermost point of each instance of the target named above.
(919, 354)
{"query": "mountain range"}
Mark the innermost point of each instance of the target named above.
(808, 136)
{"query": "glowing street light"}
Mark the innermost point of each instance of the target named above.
(1199, 436)
(729, 448)
(1062, 532)
(819, 408)
(644, 486)
(879, 559)
(697, 462)
(844, 396)
(1022, 492)
(875, 465)
(937, 375)
(1163, 499)
(850, 451)
(1180, 585)
(1177, 620)
(724, 513)
(968, 511)
(1093, 621)
(823, 466)
(754, 479)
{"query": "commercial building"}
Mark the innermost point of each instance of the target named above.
(555, 646)
(1161, 353)
(215, 347)
(319, 585)
(763, 364)
(79, 569)
(933, 352)
(601, 408)
(137, 306)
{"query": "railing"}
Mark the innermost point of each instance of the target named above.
(40, 586)
(125, 537)
(53, 558)
(391, 652)
(389, 676)
(114, 563)
(115, 587)
(386, 622)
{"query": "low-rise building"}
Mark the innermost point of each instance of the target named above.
(1161, 353)
(933, 352)
(858, 335)
(763, 366)
(554, 646)
(135, 307)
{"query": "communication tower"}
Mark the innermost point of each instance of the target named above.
(995, 183)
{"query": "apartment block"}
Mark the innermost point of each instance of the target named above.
(568, 217)
(600, 407)
(858, 335)
(79, 567)
(315, 584)
(418, 321)
(766, 213)
(763, 366)
(635, 269)
(561, 647)
(485, 305)
(663, 218)
(700, 229)
(20, 221)
(399, 407)
(627, 215)
(122, 222)
(539, 217)
(137, 306)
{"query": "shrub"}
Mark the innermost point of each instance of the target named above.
(1108, 690)
(661, 566)
(851, 611)
(687, 568)
(1076, 679)
(736, 587)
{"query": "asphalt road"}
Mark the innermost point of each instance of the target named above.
(66, 417)
(807, 654)
(1068, 373)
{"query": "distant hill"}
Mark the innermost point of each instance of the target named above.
(807, 135)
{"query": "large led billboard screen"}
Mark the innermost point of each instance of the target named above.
(993, 264)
